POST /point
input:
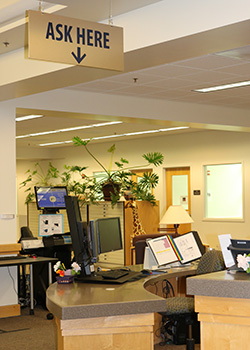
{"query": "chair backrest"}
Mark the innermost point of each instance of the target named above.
(26, 233)
(211, 261)
(147, 236)
(140, 244)
(139, 251)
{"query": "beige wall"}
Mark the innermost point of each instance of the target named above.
(194, 149)
(8, 200)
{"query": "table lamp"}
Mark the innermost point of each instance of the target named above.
(176, 215)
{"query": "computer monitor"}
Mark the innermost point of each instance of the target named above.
(108, 232)
(79, 236)
(50, 199)
(239, 246)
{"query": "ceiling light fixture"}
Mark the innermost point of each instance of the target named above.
(118, 135)
(141, 132)
(28, 117)
(68, 129)
(224, 87)
(175, 128)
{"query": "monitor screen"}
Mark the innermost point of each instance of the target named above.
(50, 197)
(108, 231)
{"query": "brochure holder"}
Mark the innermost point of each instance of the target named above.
(149, 262)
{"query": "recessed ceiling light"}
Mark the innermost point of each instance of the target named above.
(175, 128)
(223, 87)
(141, 132)
(27, 117)
(118, 135)
(68, 129)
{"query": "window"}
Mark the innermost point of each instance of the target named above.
(223, 191)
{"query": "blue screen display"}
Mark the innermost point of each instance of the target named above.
(51, 197)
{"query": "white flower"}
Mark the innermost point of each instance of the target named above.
(75, 267)
(57, 265)
(67, 272)
(243, 261)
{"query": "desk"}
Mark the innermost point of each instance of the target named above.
(222, 300)
(30, 262)
(97, 316)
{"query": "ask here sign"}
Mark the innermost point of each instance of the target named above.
(73, 41)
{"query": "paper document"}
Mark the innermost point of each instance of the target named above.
(188, 247)
(225, 241)
(162, 250)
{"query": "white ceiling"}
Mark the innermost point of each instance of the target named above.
(177, 81)
(174, 81)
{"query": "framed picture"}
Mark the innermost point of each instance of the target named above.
(50, 224)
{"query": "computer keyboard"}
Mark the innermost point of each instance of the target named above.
(14, 257)
(113, 274)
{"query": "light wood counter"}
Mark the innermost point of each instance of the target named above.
(107, 316)
(222, 300)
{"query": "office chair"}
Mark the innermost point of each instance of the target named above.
(183, 307)
(26, 233)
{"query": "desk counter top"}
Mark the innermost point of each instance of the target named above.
(220, 284)
(16, 261)
(87, 300)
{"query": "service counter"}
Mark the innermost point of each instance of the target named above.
(222, 300)
(108, 316)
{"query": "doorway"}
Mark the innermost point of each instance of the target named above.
(179, 191)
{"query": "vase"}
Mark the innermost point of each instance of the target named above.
(64, 279)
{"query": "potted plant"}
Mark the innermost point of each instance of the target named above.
(73, 177)
(117, 182)
(86, 188)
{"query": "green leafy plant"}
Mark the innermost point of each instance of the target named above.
(89, 189)
(80, 185)
(38, 176)
(121, 178)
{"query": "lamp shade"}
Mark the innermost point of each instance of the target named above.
(176, 214)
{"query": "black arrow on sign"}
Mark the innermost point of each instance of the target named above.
(78, 57)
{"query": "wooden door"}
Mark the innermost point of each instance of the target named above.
(179, 192)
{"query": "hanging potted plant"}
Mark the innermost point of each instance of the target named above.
(116, 182)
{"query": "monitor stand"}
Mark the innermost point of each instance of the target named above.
(235, 268)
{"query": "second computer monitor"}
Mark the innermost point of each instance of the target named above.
(109, 237)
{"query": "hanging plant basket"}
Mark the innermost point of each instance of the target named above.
(108, 188)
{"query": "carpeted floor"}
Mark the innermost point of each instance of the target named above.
(28, 332)
(36, 332)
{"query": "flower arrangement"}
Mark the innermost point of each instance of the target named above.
(244, 262)
(61, 270)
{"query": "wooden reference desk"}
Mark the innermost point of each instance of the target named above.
(6, 261)
(107, 316)
(222, 300)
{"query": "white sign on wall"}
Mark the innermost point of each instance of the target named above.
(74, 41)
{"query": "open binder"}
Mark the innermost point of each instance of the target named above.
(184, 248)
